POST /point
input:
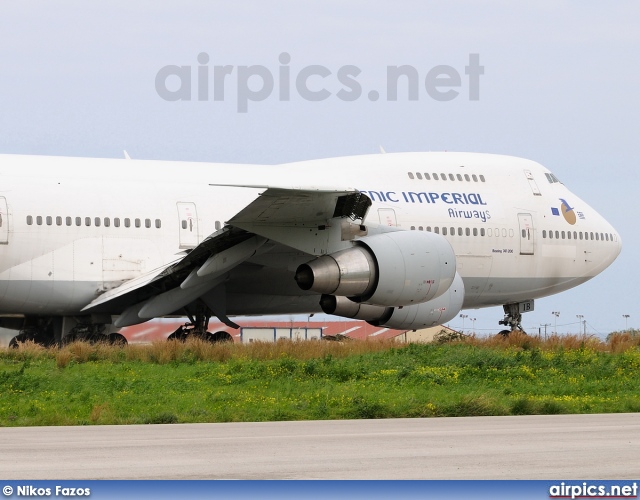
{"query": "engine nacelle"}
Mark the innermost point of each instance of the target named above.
(432, 313)
(347, 308)
(391, 269)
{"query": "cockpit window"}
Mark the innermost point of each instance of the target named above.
(551, 178)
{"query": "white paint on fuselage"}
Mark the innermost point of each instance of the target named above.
(59, 268)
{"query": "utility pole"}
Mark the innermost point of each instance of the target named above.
(626, 319)
(580, 319)
(545, 329)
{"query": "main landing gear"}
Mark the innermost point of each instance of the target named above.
(50, 331)
(197, 328)
(513, 316)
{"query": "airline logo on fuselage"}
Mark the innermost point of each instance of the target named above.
(424, 197)
(462, 205)
(567, 211)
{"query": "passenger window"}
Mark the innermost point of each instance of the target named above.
(49, 220)
(159, 224)
(413, 228)
(568, 235)
(475, 231)
(435, 177)
(218, 224)
(460, 231)
(592, 236)
(550, 235)
(429, 228)
(562, 235)
(137, 223)
(97, 221)
(575, 235)
(580, 233)
(184, 224)
(482, 231)
(58, 221)
(410, 175)
(116, 222)
(459, 176)
(504, 233)
(453, 231)
(544, 233)
(127, 222)
(481, 178)
(467, 231)
(69, 221)
(451, 177)
(489, 232)
(420, 228)
(557, 235)
(524, 233)
(87, 221)
(510, 233)
(39, 220)
(475, 179)
(427, 176)
(107, 222)
(444, 231)
(29, 220)
(443, 177)
(436, 230)
(467, 178)
(147, 223)
(419, 175)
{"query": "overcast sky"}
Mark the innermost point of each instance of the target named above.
(561, 86)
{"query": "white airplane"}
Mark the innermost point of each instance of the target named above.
(401, 240)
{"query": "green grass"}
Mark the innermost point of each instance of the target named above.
(199, 382)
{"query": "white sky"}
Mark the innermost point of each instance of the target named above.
(561, 86)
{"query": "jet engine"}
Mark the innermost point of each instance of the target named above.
(434, 312)
(392, 269)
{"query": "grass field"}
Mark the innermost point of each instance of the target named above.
(171, 382)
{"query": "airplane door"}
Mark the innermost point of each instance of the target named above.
(387, 217)
(532, 183)
(526, 234)
(4, 221)
(188, 220)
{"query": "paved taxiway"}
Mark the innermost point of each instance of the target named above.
(527, 447)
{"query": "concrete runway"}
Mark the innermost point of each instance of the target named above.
(528, 447)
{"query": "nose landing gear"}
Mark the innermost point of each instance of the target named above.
(513, 316)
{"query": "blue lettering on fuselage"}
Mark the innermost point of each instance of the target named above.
(424, 197)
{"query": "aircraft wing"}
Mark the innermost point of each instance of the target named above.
(167, 277)
(273, 208)
(302, 207)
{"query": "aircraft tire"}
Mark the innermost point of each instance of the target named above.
(218, 337)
